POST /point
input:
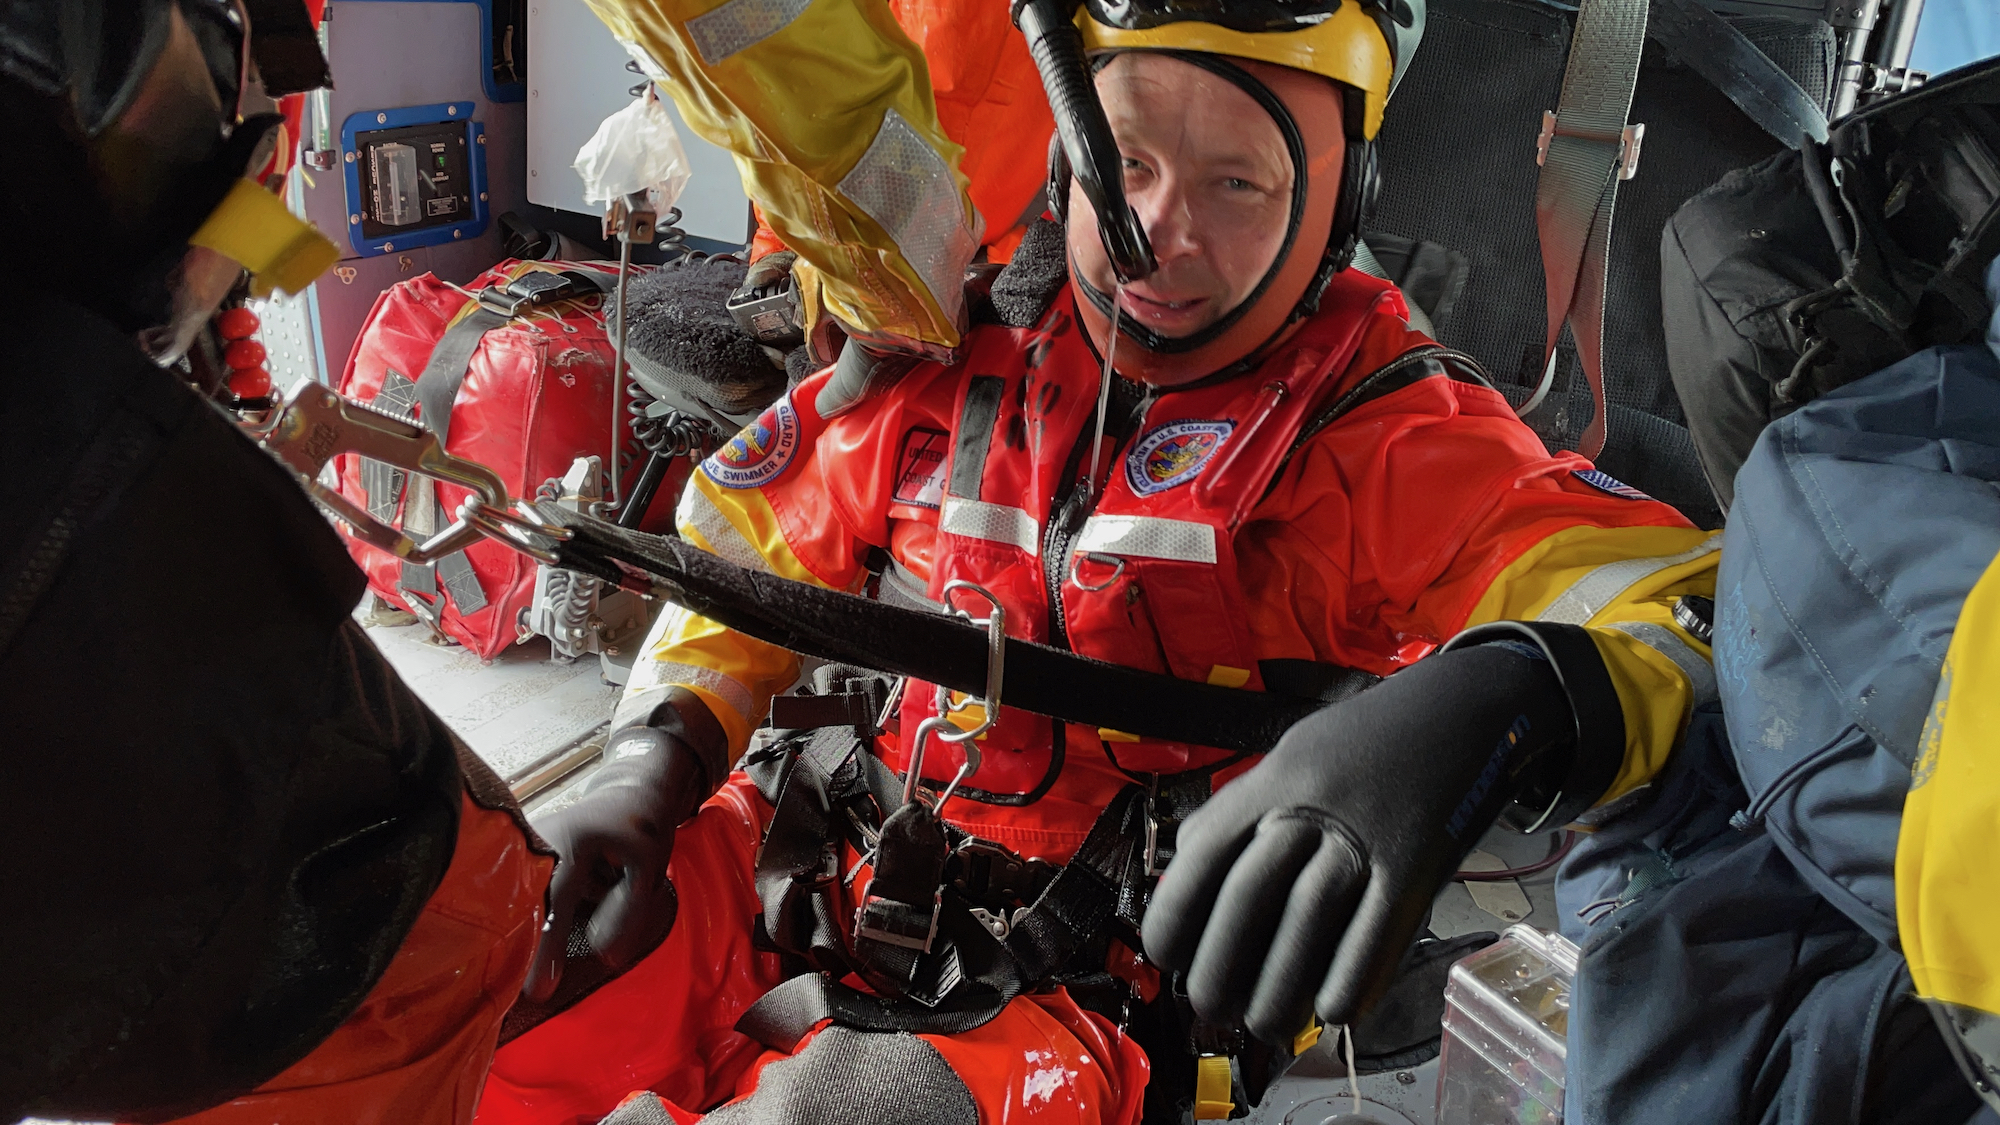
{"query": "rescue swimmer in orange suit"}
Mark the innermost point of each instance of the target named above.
(255, 879)
(1293, 488)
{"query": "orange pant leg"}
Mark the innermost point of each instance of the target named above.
(668, 1023)
(1042, 1061)
(415, 1051)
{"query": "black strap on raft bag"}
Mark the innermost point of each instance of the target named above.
(1810, 270)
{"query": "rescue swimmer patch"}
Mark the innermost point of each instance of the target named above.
(920, 467)
(1605, 482)
(1173, 454)
(760, 452)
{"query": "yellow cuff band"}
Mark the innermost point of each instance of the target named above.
(281, 250)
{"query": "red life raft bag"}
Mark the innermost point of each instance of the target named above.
(513, 371)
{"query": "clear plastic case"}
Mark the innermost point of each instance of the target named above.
(1506, 1027)
(394, 171)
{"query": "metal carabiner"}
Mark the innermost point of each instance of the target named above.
(995, 624)
(314, 424)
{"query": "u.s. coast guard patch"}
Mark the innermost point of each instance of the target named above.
(1605, 482)
(1173, 454)
(760, 452)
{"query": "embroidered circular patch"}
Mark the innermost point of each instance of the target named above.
(1605, 482)
(760, 452)
(1173, 454)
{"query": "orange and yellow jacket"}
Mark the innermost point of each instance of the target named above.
(1352, 502)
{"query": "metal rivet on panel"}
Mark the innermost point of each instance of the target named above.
(381, 119)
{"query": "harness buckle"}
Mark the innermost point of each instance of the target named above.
(999, 923)
(1629, 141)
(534, 288)
(899, 923)
(1156, 856)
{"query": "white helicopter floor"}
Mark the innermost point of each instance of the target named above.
(513, 711)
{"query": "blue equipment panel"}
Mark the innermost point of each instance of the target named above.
(415, 177)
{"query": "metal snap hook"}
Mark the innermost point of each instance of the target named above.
(995, 624)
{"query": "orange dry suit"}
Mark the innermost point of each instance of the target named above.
(1348, 503)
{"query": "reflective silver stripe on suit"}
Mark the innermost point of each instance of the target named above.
(1588, 596)
(1147, 537)
(724, 541)
(902, 183)
(1659, 638)
(652, 681)
(995, 523)
(901, 588)
(740, 25)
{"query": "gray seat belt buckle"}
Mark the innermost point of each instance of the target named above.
(1630, 140)
(536, 287)
(770, 320)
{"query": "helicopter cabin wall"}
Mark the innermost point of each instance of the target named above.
(392, 61)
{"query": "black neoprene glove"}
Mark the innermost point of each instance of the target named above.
(1298, 886)
(615, 841)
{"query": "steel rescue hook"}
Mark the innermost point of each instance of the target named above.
(314, 424)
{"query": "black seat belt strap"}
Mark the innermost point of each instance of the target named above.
(1585, 149)
(1713, 48)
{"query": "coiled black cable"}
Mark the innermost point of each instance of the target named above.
(662, 437)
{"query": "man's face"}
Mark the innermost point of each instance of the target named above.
(1207, 172)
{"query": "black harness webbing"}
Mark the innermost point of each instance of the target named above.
(951, 652)
(1004, 923)
(943, 650)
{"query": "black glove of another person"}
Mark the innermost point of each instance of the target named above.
(1298, 886)
(615, 841)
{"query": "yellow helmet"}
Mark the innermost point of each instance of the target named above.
(1353, 43)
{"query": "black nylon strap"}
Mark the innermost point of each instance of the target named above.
(943, 650)
(797, 863)
(1713, 48)
(803, 712)
(783, 1016)
(975, 434)
(1083, 897)
(437, 392)
(1600, 717)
